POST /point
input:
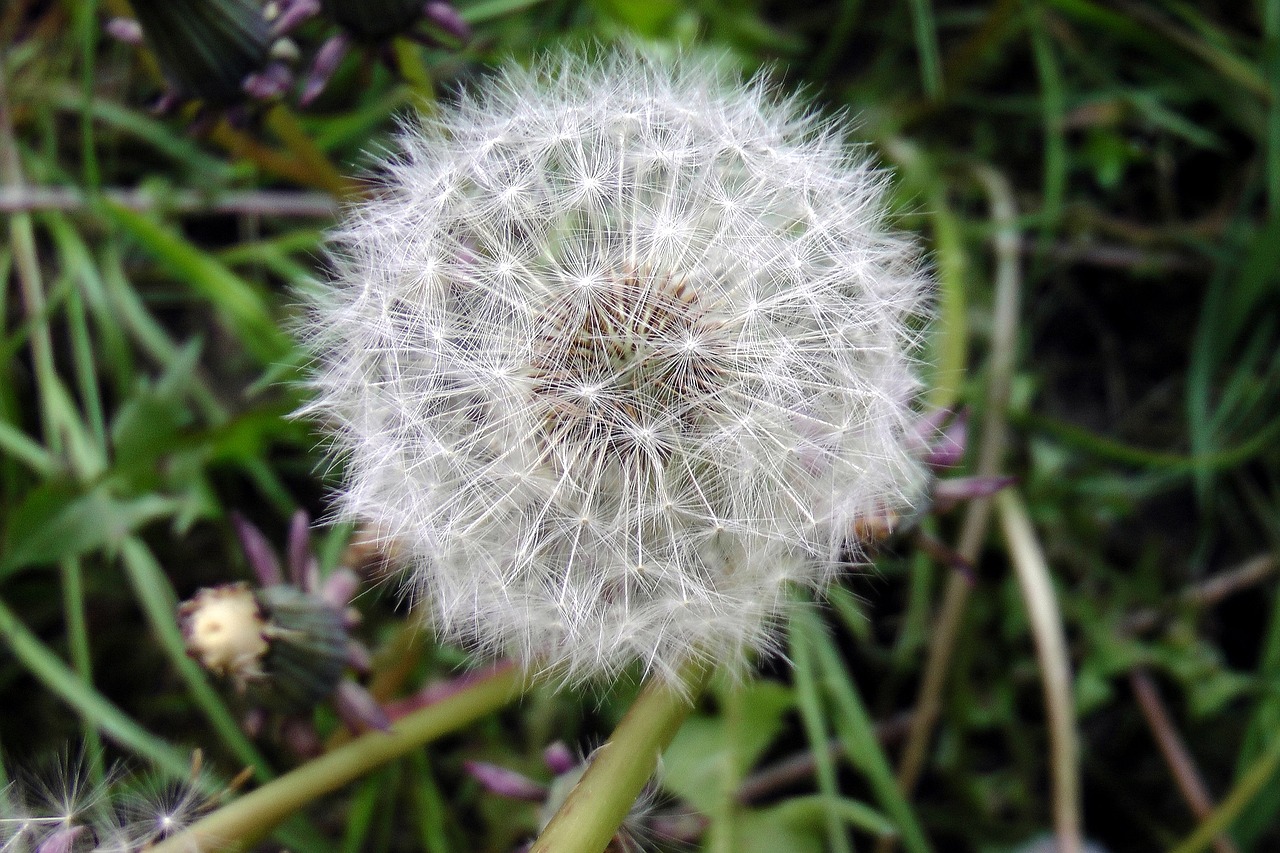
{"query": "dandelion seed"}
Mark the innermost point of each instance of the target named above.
(61, 811)
(622, 348)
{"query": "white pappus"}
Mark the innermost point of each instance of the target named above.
(620, 348)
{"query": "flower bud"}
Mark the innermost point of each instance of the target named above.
(286, 650)
(217, 51)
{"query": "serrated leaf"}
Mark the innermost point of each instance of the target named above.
(151, 421)
(50, 525)
(708, 755)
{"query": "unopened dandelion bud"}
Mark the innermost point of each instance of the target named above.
(621, 350)
(371, 24)
(223, 628)
(217, 51)
(285, 646)
(306, 649)
(286, 650)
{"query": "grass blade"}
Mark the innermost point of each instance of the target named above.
(856, 730)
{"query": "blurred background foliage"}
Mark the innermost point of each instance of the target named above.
(1118, 162)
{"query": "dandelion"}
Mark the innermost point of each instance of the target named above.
(621, 350)
(62, 811)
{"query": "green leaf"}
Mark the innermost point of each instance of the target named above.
(241, 306)
(854, 726)
(810, 812)
(776, 829)
(651, 18)
(54, 522)
(693, 765)
(798, 825)
(152, 420)
(764, 704)
(709, 754)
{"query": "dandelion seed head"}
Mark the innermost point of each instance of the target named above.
(58, 808)
(622, 348)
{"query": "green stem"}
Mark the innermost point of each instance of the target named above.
(27, 266)
(49, 670)
(416, 74)
(285, 125)
(73, 608)
(590, 816)
(237, 825)
(1259, 775)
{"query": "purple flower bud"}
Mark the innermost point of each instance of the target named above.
(505, 783)
(447, 18)
(327, 60)
(947, 493)
(358, 709)
(125, 30)
(559, 758)
(261, 556)
(298, 551)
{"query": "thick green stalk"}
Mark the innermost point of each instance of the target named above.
(237, 825)
(590, 816)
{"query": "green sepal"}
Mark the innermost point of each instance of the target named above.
(206, 48)
(306, 650)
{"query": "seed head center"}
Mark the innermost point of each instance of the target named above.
(626, 369)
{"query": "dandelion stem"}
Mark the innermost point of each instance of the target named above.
(590, 816)
(238, 824)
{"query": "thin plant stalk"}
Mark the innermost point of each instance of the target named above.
(240, 823)
(1259, 775)
(1181, 763)
(73, 608)
(22, 237)
(589, 817)
(991, 451)
(1055, 666)
(306, 204)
